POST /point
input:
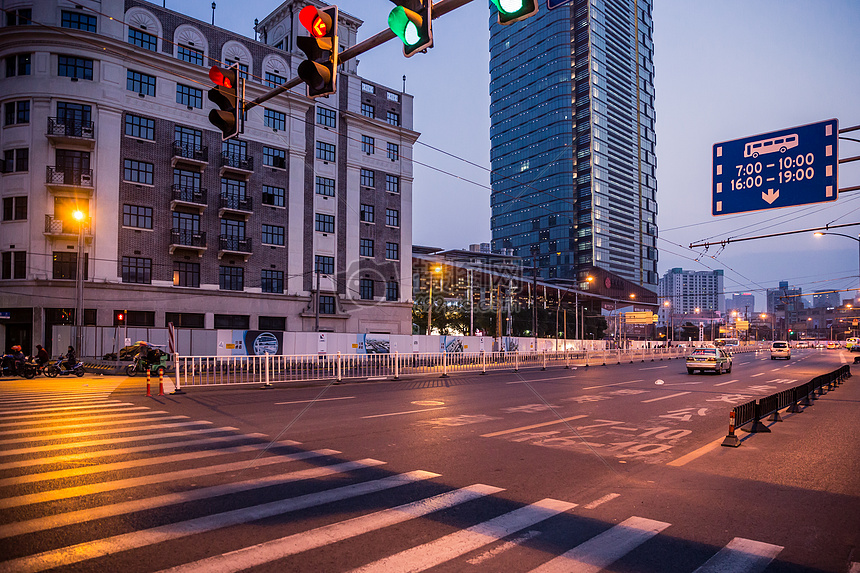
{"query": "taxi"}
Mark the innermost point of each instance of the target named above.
(714, 359)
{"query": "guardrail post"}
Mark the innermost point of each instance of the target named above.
(339, 368)
(516, 360)
(757, 425)
(178, 389)
(544, 361)
(794, 408)
(396, 366)
(566, 358)
(731, 440)
(483, 362)
(444, 365)
(267, 384)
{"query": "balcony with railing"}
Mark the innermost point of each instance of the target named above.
(188, 240)
(233, 245)
(189, 153)
(236, 163)
(188, 197)
(66, 228)
(64, 131)
(233, 203)
(69, 178)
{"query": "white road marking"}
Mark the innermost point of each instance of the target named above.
(654, 368)
(518, 540)
(318, 400)
(687, 458)
(71, 435)
(100, 547)
(109, 422)
(402, 413)
(755, 375)
(665, 397)
(523, 428)
(741, 556)
(616, 384)
(15, 413)
(38, 418)
(423, 557)
(601, 551)
(729, 382)
(601, 500)
(83, 419)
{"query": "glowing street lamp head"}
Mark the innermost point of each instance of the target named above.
(78, 215)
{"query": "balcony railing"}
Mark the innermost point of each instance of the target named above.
(229, 243)
(190, 151)
(188, 238)
(234, 202)
(61, 127)
(69, 226)
(183, 194)
(69, 176)
(237, 161)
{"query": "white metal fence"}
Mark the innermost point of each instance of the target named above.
(224, 370)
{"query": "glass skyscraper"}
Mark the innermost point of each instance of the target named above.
(572, 135)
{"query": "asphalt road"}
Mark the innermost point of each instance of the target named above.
(602, 468)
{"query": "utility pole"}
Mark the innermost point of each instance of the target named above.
(317, 313)
(534, 295)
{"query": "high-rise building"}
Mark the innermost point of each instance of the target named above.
(304, 219)
(826, 298)
(743, 303)
(691, 294)
(572, 139)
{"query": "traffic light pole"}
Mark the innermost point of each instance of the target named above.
(439, 9)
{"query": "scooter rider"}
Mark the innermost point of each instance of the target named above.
(71, 359)
(18, 357)
(42, 356)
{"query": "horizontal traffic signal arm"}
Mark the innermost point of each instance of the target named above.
(439, 9)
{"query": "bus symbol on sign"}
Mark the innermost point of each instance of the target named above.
(794, 166)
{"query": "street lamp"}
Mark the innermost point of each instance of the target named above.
(668, 305)
(764, 317)
(430, 305)
(79, 216)
(821, 234)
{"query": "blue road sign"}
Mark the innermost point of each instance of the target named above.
(782, 168)
(550, 4)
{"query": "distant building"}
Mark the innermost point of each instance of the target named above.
(743, 303)
(686, 291)
(785, 298)
(825, 299)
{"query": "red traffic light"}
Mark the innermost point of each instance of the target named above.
(216, 74)
(317, 23)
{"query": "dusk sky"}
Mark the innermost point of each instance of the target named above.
(723, 70)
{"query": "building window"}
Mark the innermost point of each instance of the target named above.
(241, 71)
(19, 17)
(142, 127)
(392, 183)
(392, 217)
(326, 117)
(393, 151)
(136, 270)
(367, 178)
(275, 119)
(140, 83)
(392, 118)
(324, 264)
(18, 65)
(324, 223)
(365, 289)
(66, 265)
(273, 196)
(15, 208)
(365, 213)
(72, 67)
(367, 88)
(273, 80)
(392, 290)
(392, 96)
(14, 265)
(136, 216)
(17, 112)
(326, 304)
(274, 157)
(272, 282)
(325, 151)
(233, 229)
(367, 144)
(231, 278)
(190, 55)
(233, 189)
(365, 247)
(143, 39)
(186, 274)
(16, 160)
(138, 172)
(272, 323)
(188, 96)
(273, 235)
(233, 321)
(392, 251)
(185, 319)
(325, 186)
(368, 110)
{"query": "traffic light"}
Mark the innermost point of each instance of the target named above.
(319, 71)
(226, 96)
(119, 319)
(412, 21)
(511, 11)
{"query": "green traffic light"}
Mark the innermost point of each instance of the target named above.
(402, 25)
(510, 6)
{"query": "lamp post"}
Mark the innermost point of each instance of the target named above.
(430, 305)
(821, 234)
(668, 306)
(79, 282)
(696, 310)
(764, 317)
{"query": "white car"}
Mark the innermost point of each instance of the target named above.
(714, 359)
(780, 349)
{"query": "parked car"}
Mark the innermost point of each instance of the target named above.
(713, 359)
(780, 349)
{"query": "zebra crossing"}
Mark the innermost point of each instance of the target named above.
(89, 481)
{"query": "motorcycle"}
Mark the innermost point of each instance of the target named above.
(10, 368)
(154, 361)
(52, 370)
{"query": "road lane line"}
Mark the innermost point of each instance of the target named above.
(136, 539)
(665, 397)
(741, 556)
(132, 506)
(516, 541)
(729, 382)
(755, 375)
(601, 551)
(601, 500)
(401, 413)
(615, 384)
(423, 557)
(686, 458)
(523, 428)
(314, 400)
(654, 368)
